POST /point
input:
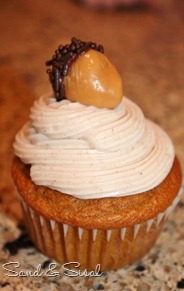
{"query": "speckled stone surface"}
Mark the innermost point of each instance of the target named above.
(147, 46)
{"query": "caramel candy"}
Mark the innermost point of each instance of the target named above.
(93, 80)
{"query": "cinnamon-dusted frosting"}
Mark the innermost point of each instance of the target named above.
(90, 153)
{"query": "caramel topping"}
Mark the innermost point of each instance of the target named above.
(81, 73)
(93, 80)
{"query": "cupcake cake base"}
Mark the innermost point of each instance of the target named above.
(110, 248)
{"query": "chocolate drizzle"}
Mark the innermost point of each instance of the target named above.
(62, 60)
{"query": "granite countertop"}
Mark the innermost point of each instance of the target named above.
(147, 46)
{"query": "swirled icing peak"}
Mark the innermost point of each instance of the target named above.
(89, 152)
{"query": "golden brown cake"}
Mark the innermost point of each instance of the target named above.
(60, 224)
(96, 180)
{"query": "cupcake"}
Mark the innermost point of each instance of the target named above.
(95, 178)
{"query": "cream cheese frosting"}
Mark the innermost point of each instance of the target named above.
(89, 152)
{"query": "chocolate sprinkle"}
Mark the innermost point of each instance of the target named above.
(61, 61)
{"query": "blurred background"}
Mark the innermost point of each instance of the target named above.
(145, 43)
(143, 38)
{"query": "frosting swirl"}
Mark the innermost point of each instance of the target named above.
(89, 152)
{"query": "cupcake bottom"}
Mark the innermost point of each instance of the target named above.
(110, 249)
